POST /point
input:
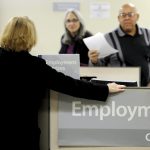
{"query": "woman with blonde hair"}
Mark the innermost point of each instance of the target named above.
(24, 80)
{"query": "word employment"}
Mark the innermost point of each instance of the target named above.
(103, 111)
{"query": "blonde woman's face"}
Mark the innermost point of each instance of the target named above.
(72, 23)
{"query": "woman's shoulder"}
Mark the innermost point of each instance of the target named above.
(37, 59)
(88, 33)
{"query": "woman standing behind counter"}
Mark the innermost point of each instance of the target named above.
(72, 39)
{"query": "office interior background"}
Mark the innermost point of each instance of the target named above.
(49, 22)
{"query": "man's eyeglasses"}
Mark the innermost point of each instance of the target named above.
(73, 20)
(130, 14)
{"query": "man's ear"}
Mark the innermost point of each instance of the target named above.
(138, 16)
(118, 17)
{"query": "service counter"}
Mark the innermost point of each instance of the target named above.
(121, 123)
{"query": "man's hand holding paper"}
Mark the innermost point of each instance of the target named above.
(93, 56)
(99, 43)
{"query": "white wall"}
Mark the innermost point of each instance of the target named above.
(50, 24)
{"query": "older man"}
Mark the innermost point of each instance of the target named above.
(132, 41)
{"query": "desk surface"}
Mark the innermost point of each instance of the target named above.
(112, 73)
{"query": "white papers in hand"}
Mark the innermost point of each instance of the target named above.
(99, 43)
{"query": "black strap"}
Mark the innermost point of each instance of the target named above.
(113, 41)
(115, 46)
(147, 34)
